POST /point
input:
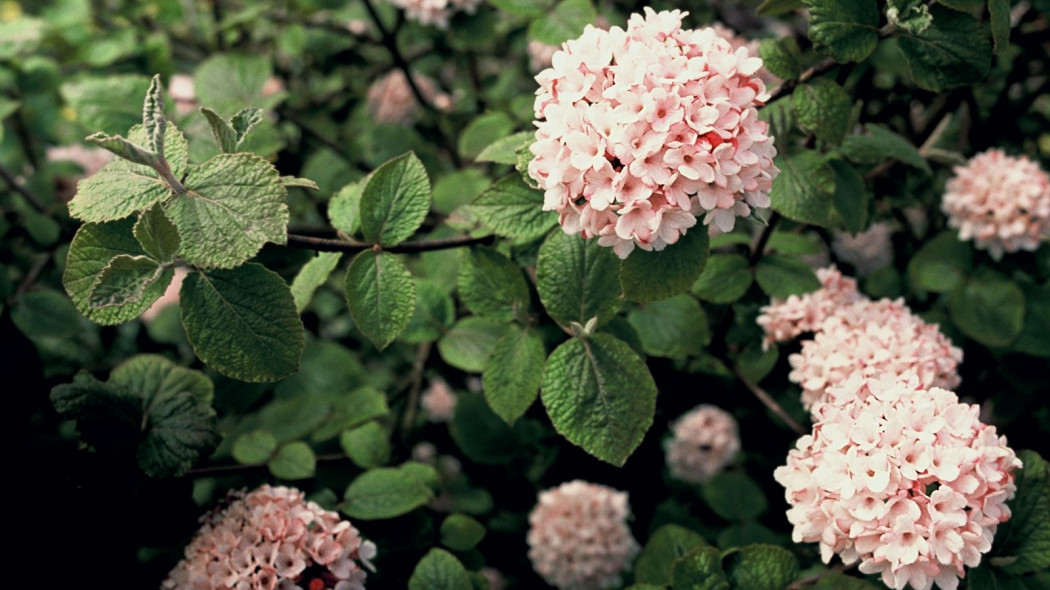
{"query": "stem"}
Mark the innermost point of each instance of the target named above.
(769, 402)
(412, 404)
(330, 245)
(13, 183)
(813, 579)
(223, 470)
(763, 239)
(34, 273)
(165, 172)
(789, 86)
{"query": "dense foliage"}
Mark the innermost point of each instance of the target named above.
(488, 305)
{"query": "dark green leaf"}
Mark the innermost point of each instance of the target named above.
(775, 7)
(435, 312)
(124, 281)
(385, 492)
(666, 545)
(672, 328)
(941, 265)
(988, 308)
(1024, 540)
(651, 276)
(954, 51)
(395, 200)
(782, 276)
(840, 581)
(254, 448)
(851, 196)
(460, 532)
(762, 567)
(156, 378)
(565, 22)
(512, 379)
(803, 189)
(45, 313)
(1035, 336)
(381, 296)
(439, 570)
(491, 285)
(470, 342)
(482, 131)
(482, 435)
(734, 496)
(999, 15)
(847, 30)
(157, 234)
(700, 569)
(824, 108)
(177, 431)
(295, 460)
(368, 445)
(577, 279)
(881, 144)
(513, 209)
(726, 278)
(782, 57)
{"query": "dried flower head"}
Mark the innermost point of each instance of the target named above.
(435, 12)
(999, 201)
(642, 131)
(578, 538)
(705, 441)
(271, 538)
(905, 479)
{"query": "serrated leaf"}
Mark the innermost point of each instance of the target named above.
(651, 276)
(385, 492)
(781, 57)
(470, 342)
(700, 569)
(254, 448)
(242, 322)
(911, 15)
(381, 296)
(153, 120)
(395, 200)
(234, 204)
(783, 276)
(954, 51)
(107, 103)
(125, 149)
(803, 189)
(94, 245)
(512, 378)
(824, 108)
(726, 278)
(734, 496)
(460, 532)
(505, 150)
(513, 209)
(941, 265)
(666, 545)
(1026, 536)
(565, 22)
(600, 396)
(577, 279)
(762, 567)
(296, 182)
(295, 460)
(989, 308)
(228, 82)
(344, 210)
(312, 275)
(491, 285)
(671, 328)
(881, 144)
(439, 570)
(850, 197)
(435, 312)
(999, 16)
(124, 281)
(368, 445)
(157, 235)
(847, 30)
(775, 7)
(482, 435)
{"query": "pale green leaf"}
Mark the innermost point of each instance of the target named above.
(470, 342)
(153, 120)
(107, 103)
(368, 445)
(254, 448)
(514, 209)
(229, 82)
(481, 132)
(505, 150)
(295, 460)
(671, 328)
(124, 281)
(157, 235)
(565, 22)
(344, 210)
(312, 275)
(385, 492)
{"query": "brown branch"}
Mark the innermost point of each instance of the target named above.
(416, 379)
(13, 183)
(330, 245)
(760, 246)
(789, 86)
(769, 402)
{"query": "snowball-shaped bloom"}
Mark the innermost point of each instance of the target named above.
(736, 42)
(868, 250)
(272, 538)
(641, 131)
(870, 339)
(705, 440)
(435, 12)
(788, 318)
(578, 538)
(999, 201)
(391, 102)
(904, 479)
(438, 401)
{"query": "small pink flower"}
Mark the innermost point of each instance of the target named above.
(438, 401)
(391, 102)
(705, 440)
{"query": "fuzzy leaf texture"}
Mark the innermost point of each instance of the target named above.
(577, 279)
(513, 209)
(395, 200)
(124, 281)
(955, 50)
(651, 276)
(157, 235)
(381, 296)
(513, 375)
(700, 569)
(761, 567)
(491, 285)
(846, 30)
(439, 570)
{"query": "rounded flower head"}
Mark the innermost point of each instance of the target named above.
(868, 250)
(786, 319)
(271, 538)
(435, 12)
(390, 99)
(904, 479)
(705, 440)
(438, 401)
(642, 131)
(999, 201)
(578, 538)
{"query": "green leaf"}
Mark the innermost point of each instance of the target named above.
(178, 431)
(505, 150)
(125, 149)
(235, 203)
(734, 496)
(881, 144)
(850, 197)
(512, 378)
(242, 322)
(385, 492)
(783, 276)
(93, 247)
(988, 308)
(156, 378)
(381, 296)
(344, 210)
(244, 121)
(254, 448)
(775, 7)
(1035, 337)
(107, 103)
(803, 189)
(780, 115)
(651, 276)
(229, 82)
(457, 189)
(153, 121)
(311, 276)
(700, 569)
(124, 281)
(911, 15)
(295, 460)
(762, 567)
(782, 57)
(840, 581)
(395, 200)
(521, 7)
(991, 578)
(230, 134)
(600, 396)
(847, 30)
(368, 445)
(296, 182)
(491, 285)
(469, 343)
(824, 108)
(157, 234)
(1025, 538)
(435, 312)
(460, 532)
(482, 131)
(954, 51)
(513, 209)
(999, 16)
(481, 434)
(671, 328)
(577, 279)
(666, 545)
(439, 570)
(565, 22)
(970, 6)
(941, 265)
(45, 313)
(726, 278)
(745, 533)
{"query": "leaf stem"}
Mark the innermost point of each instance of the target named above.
(330, 245)
(763, 239)
(768, 401)
(412, 403)
(237, 468)
(14, 185)
(164, 170)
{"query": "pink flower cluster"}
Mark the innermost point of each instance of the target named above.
(640, 131)
(999, 201)
(905, 479)
(438, 401)
(435, 12)
(705, 441)
(789, 318)
(579, 539)
(270, 539)
(391, 102)
(868, 250)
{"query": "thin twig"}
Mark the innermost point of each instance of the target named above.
(223, 470)
(789, 86)
(763, 238)
(330, 245)
(769, 402)
(27, 281)
(13, 183)
(814, 578)
(412, 404)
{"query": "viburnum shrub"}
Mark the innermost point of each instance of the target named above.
(426, 290)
